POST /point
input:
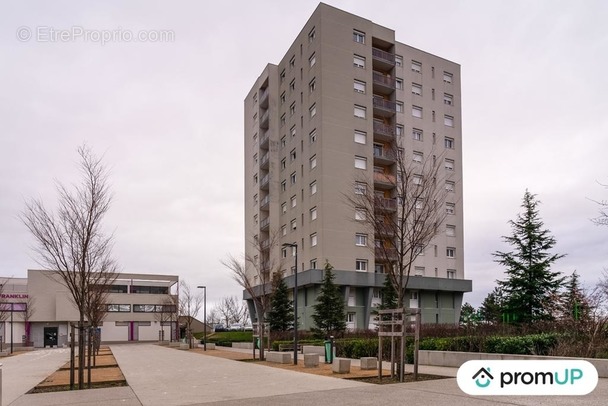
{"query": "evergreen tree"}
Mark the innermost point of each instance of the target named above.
(280, 316)
(468, 315)
(531, 286)
(388, 295)
(574, 303)
(492, 307)
(329, 315)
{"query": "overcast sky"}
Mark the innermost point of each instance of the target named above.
(168, 118)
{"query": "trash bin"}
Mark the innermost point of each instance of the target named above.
(257, 343)
(329, 350)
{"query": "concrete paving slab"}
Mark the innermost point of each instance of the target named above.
(23, 371)
(166, 376)
(121, 396)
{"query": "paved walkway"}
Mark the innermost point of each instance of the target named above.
(166, 376)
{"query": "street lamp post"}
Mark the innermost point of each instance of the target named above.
(295, 304)
(204, 316)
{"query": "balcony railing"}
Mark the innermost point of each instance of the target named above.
(384, 80)
(385, 104)
(264, 139)
(264, 119)
(265, 201)
(264, 182)
(384, 178)
(383, 56)
(384, 129)
(383, 154)
(264, 223)
(265, 244)
(382, 203)
(384, 254)
(264, 98)
(264, 160)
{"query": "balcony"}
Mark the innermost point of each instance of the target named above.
(264, 183)
(385, 254)
(264, 161)
(384, 132)
(384, 180)
(264, 140)
(264, 203)
(265, 244)
(383, 156)
(384, 204)
(264, 120)
(382, 59)
(384, 108)
(383, 84)
(264, 98)
(265, 224)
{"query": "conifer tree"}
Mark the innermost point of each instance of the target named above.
(388, 295)
(574, 303)
(329, 316)
(280, 316)
(531, 286)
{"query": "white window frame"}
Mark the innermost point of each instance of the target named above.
(360, 188)
(312, 111)
(450, 186)
(294, 201)
(360, 111)
(449, 164)
(313, 162)
(312, 60)
(312, 85)
(359, 61)
(451, 274)
(312, 136)
(399, 107)
(417, 134)
(360, 214)
(360, 162)
(293, 224)
(448, 142)
(416, 66)
(360, 137)
(448, 99)
(417, 157)
(313, 187)
(359, 86)
(450, 230)
(361, 265)
(359, 36)
(399, 83)
(450, 208)
(447, 77)
(417, 89)
(284, 208)
(313, 240)
(361, 240)
(398, 60)
(417, 111)
(448, 121)
(450, 252)
(293, 178)
(313, 213)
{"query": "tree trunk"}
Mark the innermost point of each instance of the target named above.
(81, 352)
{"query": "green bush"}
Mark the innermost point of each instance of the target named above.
(231, 336)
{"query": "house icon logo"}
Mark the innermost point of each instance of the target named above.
(483, 378)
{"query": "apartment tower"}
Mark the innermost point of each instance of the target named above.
(326, 116)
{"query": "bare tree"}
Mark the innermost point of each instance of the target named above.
(405, 214)
(254, 274)
(166, 314)
(30, 307)
(602, 219)
(189, 305)
(231, 310)
(71, 242)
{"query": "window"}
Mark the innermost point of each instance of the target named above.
(283, 98)
(292, 178)
(292, 155)
(417, 157)
(292, 62)
(417, 111)
(312, 136)
(312, 85)
(312, 60)
(283, 142)
(292, 131)
(283, 252)
(255, 158)
(313, 162)
(450, 252)
(255, 179)
(311, 35)
(283, 186)
(419, 250)
(313, 214)
(448, 121)
(450, 230)
(294, 201)
(399, 130)
(284, 230)
(359, 36)
(450, 208)
(312, 111)
(361, 265)
(360, 162)
(360, 111)
(448, 99)
(284, 208)
(255, 199)
(359, 61)
(360, 214)
(292, 109)
(416, 67)
(449, 186)
(449, 164)
(416, 134)
(293, 224)
(451, 274)
(313, 263)
(255, 117)
(360, 137)
(255, 219)
(361, 240)
(399, 107)
(359, 86)
(122, 308)
(283, 120)
(282, 76)
(292, 85)
(255, 98)
(447, 77)
(313, 188)
(433, 114)
(417, 180)
(399, 60)
(416, 89)
(360, 188)
(448, 142)
(313, 239)
(418, 271)
(399, 83)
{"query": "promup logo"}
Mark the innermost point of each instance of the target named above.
(483, 375)
(530, 377)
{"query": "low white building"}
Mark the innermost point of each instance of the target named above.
(137, 309)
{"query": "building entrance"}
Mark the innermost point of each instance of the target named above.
(50, 336)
